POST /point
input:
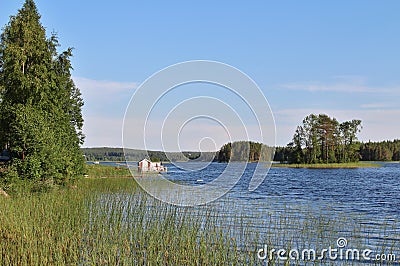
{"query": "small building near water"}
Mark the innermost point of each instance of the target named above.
(146, 165)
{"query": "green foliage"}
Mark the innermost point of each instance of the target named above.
(40, 107)
(155, 159)
(224, 153)
(380, 151)
(100, 171)
(322, 139)
(245, 151)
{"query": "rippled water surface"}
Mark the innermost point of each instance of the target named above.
(308, 207)
(371, 191)
(291, 204)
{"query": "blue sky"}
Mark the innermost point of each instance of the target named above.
(341, 58)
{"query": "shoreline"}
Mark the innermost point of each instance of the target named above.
(330, 165)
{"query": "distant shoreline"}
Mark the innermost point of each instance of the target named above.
(354, 165)
(330, 165)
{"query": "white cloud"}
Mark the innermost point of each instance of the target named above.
(105, 98)
(103, 131)
(105, 104)
(381, 105)
(353, 84)
(103, 86)
(318, 86)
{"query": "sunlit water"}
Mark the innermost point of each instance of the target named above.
(308, 207)
(367, 199)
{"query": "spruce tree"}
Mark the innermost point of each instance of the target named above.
(40, 106)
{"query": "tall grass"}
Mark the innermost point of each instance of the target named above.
(42, 229)
(107, 222)
(106, 171)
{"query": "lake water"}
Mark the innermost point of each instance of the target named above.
(308, 207)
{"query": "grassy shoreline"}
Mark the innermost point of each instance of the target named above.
(108, 221)
(105, 171)
(112, 221)
(329, 165)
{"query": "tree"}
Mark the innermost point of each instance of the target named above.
(348, 131)
(224, 153)
(40, 106)
(327, 133)
(321, 138)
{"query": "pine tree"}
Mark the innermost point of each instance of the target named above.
(40, 106)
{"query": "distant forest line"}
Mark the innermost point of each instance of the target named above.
(368, 151)
(117, 155)
(388, 150)
(318, 139)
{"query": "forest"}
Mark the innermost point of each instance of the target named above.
(322, 139)
(117, 154)
(244, 151)
(380, 151)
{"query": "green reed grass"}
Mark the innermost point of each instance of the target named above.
(106, 222)
(95, 171)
